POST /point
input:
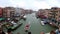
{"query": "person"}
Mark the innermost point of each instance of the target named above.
(42, 33)
(52, 32)
(58, 30)
(1, 31)
(29, 32)
(18, 33)
(1, 25)
(9, 31)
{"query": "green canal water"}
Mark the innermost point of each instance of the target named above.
(36, 26)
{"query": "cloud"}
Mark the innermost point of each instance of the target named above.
(4, 3)
(31, 4)
(41, 5)
(53, 3)
(18, 3)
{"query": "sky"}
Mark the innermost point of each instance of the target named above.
(30, 4)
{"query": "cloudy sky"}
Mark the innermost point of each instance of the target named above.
(30, 4)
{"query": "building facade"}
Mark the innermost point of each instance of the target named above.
(43, 12)
(1, 12)
(8, 12)
(54, 13)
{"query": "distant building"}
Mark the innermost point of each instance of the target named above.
(54, 13)
(23, 11)
(19, 10)
(8, 12)
(43, 12)
(28, 11)
(1, 12)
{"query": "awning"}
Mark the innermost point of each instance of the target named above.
(2, 19)
(44, 17)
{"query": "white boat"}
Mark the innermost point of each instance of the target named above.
(24, 16)
(42, 22)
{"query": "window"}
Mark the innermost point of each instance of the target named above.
(59, 16)
(59, 11)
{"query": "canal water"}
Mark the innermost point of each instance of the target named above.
(35, 24)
